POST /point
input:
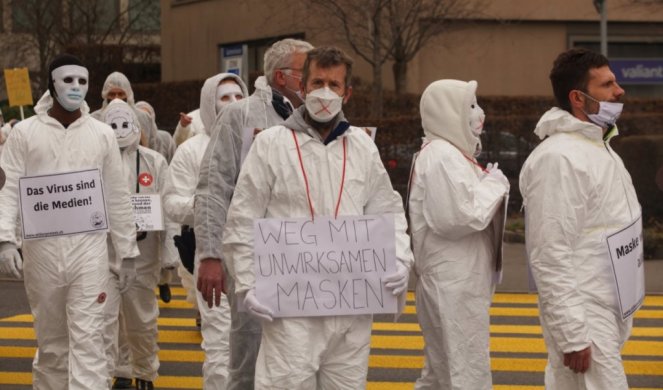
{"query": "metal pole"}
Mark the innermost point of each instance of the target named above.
(604, 28)
(22, 116)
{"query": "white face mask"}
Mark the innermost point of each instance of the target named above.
(121, 119)
(608, 113)
(70, 83)
(227, 93)
(323, 104)
(477, 118)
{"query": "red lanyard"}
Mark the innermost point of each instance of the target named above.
(475, 163)
(308, 191)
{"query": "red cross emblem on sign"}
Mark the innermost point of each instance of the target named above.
(145, 179)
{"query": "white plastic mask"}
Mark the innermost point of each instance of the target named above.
(323, 104)
(71, 84)
(227, 93)
(477, 118)
(608, 113)
(120, 118)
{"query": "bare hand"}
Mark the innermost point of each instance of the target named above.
(578, 361)
(185, 120)
(211, 281)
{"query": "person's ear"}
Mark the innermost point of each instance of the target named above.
(576, 98)
(279, 78)
(348, 93)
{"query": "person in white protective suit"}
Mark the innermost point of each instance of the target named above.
(329, 352)
(133, 311)
(66, 276)
(188, 126)
(576, 192)
(117, 86)
(452, 203)
(217, 92)
(275, 95)
(165, 140)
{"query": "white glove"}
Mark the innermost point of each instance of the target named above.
(494, 173)
(255, 308)
(127, 274)
(397, 282)
(11, 263)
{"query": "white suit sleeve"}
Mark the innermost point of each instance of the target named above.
(249, 202)
(12, 162)
(120, 213)
(216, 183)
(168, 254)
(382, 199)
(180, 187)
(555, 198)
(455, 202)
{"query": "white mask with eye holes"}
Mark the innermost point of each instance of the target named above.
(70, 83)
(227, 93)
(477, 118)
(121, 118)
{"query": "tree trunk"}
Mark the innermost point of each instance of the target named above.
(400, 76)
(376, 92)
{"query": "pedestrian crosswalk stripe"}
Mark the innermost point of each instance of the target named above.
(395, 346)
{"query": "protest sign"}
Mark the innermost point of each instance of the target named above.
(19, 91)
(325, 267)
(148, 214)
(626, 250)
(62, 204)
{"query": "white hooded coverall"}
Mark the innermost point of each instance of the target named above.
(136, 309)
(451, 208)
(65, 277)
(218, 174)
(318, 352)
(576, 191)
(178, 203)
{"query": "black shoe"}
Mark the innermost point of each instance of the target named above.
(198, 320)
(144, 385)
(164, 293)
(122, 383)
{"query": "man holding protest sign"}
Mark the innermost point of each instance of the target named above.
(583, 228)
(64, 176)
(330, 208)
(270, 104)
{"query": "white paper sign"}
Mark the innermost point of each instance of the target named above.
(326, 267)
(248, 134)
(147, 212)
(627, 258)
(62, 204)
(371, 131)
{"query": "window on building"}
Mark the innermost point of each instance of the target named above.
(144, 15)
(26, 15)
(102, 15)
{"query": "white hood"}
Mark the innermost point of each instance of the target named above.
(445, 113)
(117, 80)
(208, 97)
(557, 120)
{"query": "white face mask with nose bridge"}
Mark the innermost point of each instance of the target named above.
(608, 113)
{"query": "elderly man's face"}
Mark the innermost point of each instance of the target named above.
(116, 93)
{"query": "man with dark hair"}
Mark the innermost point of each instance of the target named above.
(576, 193)
(298, 170)
(66, 274)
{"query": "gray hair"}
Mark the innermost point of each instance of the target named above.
(279, 55)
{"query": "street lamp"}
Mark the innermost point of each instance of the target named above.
(601, 8)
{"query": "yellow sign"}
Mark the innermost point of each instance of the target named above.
(18, 87)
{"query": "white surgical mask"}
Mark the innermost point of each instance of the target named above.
(323, 104)
(230, 91)
(120, 118)
(477, 118)
(70, 83)
(608, 113)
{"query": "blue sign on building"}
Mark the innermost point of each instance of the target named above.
(638, 71)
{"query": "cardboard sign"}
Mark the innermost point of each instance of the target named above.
(18, 87)
(148, 213)
(626, 249)
(62, 204)
(325, 267)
